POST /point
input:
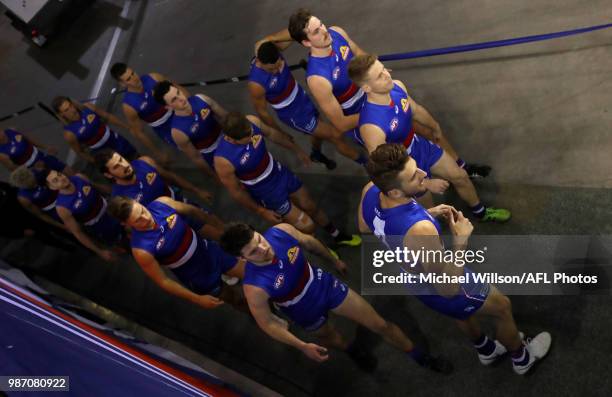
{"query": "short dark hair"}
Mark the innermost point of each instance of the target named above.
(235, 237)
(120, 207)
(58, 101)
(359, 66)
(102, 158)
(160, 90)
(236, 125)
(268, 53)
(297, 23)
(385, 164)
(118, 70)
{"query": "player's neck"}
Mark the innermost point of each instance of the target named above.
(320, 52)
(125, 182)
(139, 88)
(68, 189)
(186, 111)
(390, 202)
(379, 98)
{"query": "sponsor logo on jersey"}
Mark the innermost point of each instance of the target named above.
(194, 128)
(78, 203)
(143, 104)
(292, 254)
(336, 73)
(344, 51)
(279, 281)
(405, 105)
(138, 197)
(256, 140)
(393, 124)
(273, 82)
(151, 177)
(13, 149)
(91, 118)
(204, 113)
(245, 158)
(160, 243)
(171, 220)
(86, 190)
(82, 130)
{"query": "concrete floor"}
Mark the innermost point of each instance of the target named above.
(538, 113)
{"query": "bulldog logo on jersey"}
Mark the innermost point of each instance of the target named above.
(160, 243)
(344, 52)
(151, 177)
(18, 138)
(255, 140)
(393, 124)
(273, 82)
(336, 73)
(279, 281)
(405, 105)
(91, 118)
(86, 190)
(204, 113)
(171, 220)
(292, 254)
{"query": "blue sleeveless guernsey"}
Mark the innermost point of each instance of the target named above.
(287, 97)
(197, 262)
(334, 68)
(303, 292)
(200, 127)
(149, 110)
(43, 198)
(22, 152)
(266, 180)
(88, 207)
(390, 225)
(94, 134)
(149, 185)
(395, 120)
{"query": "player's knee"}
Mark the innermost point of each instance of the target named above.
(304, 223)
(503, 306)
(459, 177)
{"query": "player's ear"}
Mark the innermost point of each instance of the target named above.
(395, 194)
(306, 43)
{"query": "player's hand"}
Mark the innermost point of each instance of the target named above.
(205, 196)
(270, 216)
(443, 210)
(435, 185)
(304, 158)
(341, 267)
(315, 352)
(209, 301)
(460, 225)
(107, 255)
